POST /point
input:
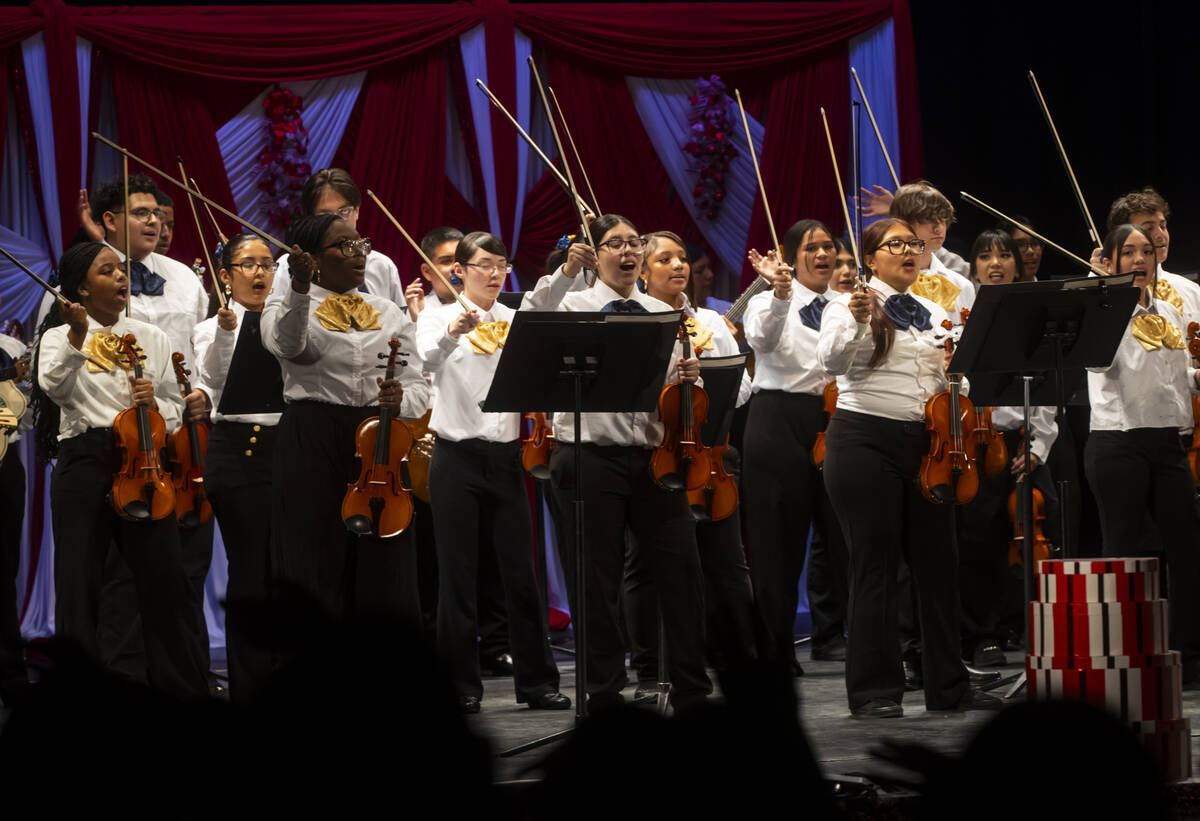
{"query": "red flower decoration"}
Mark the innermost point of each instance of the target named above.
(709, 145)
(284, 168)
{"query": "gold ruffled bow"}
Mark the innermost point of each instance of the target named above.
(488, 337)
(104, 351)
(341, 312)
(937, 288)
(1154, 332)
(700, 334)
(1166, 292)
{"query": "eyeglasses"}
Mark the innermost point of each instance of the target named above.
(344, 212)
(249, 266)
(143, 214)
(352, 247)
(1027, 244)
(617, 245)
(488, 268)
(896, 247)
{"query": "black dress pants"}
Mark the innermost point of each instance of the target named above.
(783, 496)
(619, 492)
(477, 488)
(84, 525)
(310, 546)
(13, 675)
(871, 471)
(1145, 470)
(237, 476)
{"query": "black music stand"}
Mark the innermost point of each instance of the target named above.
(1027, 344)
(581, 362)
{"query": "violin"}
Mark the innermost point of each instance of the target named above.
(1041, 545)
(379, 504)
(418, 458)
(1193, 454)
(535, 451)
(718, 498)
(185, 455)
(681, 461)
(831, 396)
(12, 401)
(948, 474)
(141, 490)
(990, 448)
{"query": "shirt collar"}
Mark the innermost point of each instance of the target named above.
(607, 295)
(121, 257)
(882, 287)
(120, 327)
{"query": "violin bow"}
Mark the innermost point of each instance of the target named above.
(525, 135)
(837, 175)
(128, 256)
(574, 150)
(866, 104)
(1062, 155)
(417, 247)
(50, 289)
(129, 155)
(575, 198)
(216, 284)
(762, 189)
(211, 217)
(989, 209)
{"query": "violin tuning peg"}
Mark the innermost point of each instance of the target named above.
(404, 363)
(381, 356)
(381, 367)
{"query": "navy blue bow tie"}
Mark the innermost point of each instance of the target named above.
(905, 311)
(144, 281)
(624, 306)
(810, 314)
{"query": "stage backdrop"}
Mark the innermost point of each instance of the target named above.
(389, 94)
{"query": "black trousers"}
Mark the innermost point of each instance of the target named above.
(492, 610)
(84, 525)
(476, 488)
(619, 492)
(1145, 470)
(871, 471)
(783, 496)
(13, 675)
(728, 600)
(310, 546)
(237, 477)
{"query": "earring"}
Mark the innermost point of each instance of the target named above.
(228, 290)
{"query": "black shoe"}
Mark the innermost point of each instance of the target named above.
(988, 654)
(468, 704)
(645, 691)
(914, 678)
(878, 708)
(797, 670)
(834, 650)
(552, 700)
(978, 678)
(501, 665)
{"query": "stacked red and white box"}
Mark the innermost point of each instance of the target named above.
(1099, 634)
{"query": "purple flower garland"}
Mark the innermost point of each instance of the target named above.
(710, 145)
(284, 165)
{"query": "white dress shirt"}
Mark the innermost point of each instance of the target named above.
(462, 377)
(785, 349)
(966, 288)
(1141, 388)
(182, 304)
(16, 349)
(723, 344)
(1043, 429)
(903, 382)
(339, 368)
(1189, 293)
(382, 278)
(93, 400)
(628, 429)
(214, 352)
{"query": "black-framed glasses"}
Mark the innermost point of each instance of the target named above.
(352, 247)
(249, 266)
(143, 214)
(617, 245)
(488, 268)
(896, 247)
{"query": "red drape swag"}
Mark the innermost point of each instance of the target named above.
(400, 153)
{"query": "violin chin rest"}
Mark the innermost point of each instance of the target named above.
(189, 519)
(137, 510)
(700, 514)
(671, 481)
(358, 524)
(943, 494)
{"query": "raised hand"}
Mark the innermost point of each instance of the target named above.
(579, 256)
(414, 296)
(463, 323)
(226, 319)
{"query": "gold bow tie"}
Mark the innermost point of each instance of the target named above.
(937, 288)
(1166, 292)
(700, 334)
(487, 337)
(104, 351)
(1154, 332)
(341, 312)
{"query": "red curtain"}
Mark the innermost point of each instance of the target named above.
(912, 155)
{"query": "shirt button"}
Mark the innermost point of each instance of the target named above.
(253, 439)
(249, 453)
(257, 428)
